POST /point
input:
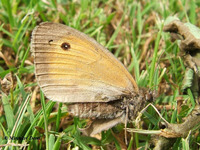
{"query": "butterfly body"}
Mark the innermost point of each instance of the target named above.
(112, 109)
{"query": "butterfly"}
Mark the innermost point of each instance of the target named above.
(72, 68)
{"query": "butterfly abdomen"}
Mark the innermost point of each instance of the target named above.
(96, 110)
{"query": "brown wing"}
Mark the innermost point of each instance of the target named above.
(72, 67)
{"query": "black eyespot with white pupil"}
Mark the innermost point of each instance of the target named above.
(65, 46)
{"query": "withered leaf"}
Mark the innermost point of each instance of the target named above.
(189, 36)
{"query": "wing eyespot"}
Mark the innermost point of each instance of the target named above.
(65, 46)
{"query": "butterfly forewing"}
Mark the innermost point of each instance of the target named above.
(72, 67)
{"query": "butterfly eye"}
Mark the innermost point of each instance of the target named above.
(65, 46)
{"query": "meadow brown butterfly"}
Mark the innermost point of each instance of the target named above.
(73, 68)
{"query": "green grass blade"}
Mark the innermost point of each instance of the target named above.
(45, 119)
